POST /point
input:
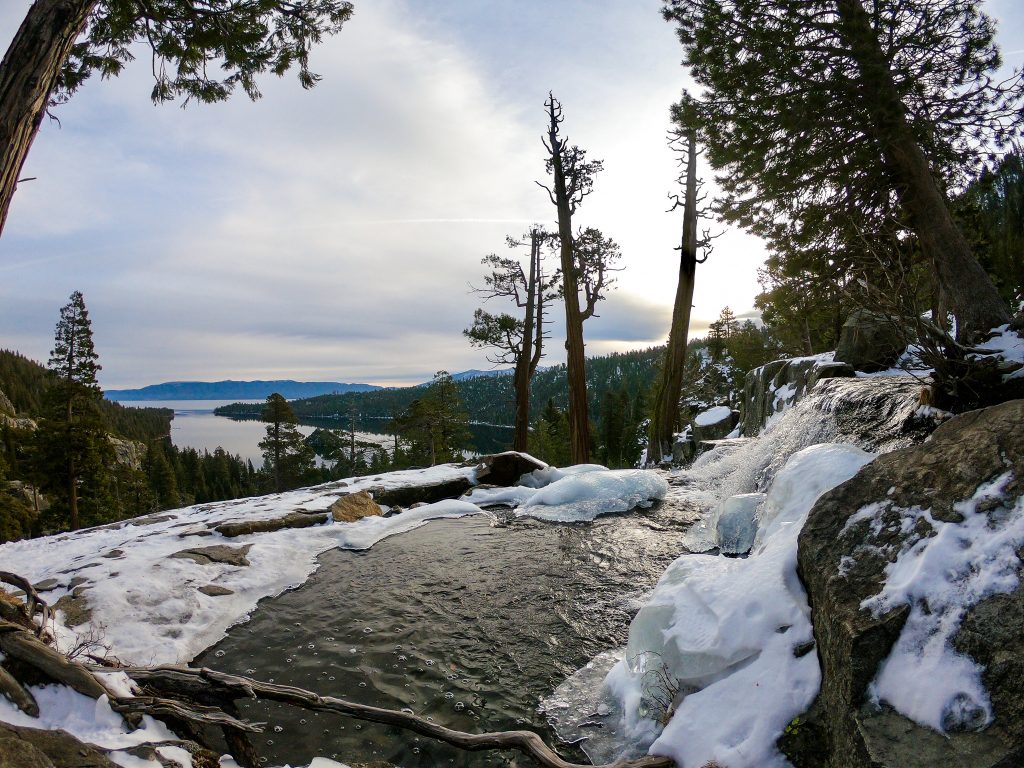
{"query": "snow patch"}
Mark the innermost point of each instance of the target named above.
(942, 576)
(585, 495)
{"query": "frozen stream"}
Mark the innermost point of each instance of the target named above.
(464, 621)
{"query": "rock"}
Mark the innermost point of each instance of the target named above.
(683, 449)
(714, 423)
(215, 590)
(113, 554)
(15, 753)
(736, 523)
(506, 468)
(428, 493)
(128, 453)
(869, 342)
(22, 747)
(355, 506)
(75, 607)
(46, 585)
(218, 553)
(15, 422)
(28, 492)
(6, 406)
(151, 519)
(781, 383)
(291, 520)
(842, 566)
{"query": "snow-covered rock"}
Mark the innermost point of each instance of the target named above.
(913, 572)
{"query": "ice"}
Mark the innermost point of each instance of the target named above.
(585, 495)
(735, 522)
(717, 638)
(542, 477)
(941, 577)
(713, 416)
(511, 497)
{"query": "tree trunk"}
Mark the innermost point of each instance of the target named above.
(524, 367)
(666, 407)
(971, 294)
(579, 419)
(28, 73)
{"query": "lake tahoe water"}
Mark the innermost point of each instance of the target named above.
(196, 426)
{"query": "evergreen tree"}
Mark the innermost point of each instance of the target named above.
(286, 457)
(435, 426)
(60, 44)
(903, 107)
(74, 450)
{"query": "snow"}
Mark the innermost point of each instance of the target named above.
(542, 477)
(713, 416)
(941, 577)
(726, 630)
(147, 606)
(1004, 343)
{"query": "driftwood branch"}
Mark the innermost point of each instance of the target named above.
(32, 599)
(219, 684)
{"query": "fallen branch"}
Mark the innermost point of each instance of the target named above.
(219, 685)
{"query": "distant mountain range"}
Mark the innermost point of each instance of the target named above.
(236, 390)
(476, 373)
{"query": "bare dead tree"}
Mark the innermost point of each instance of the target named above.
(572, 180)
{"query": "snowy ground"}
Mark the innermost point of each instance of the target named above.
(149, 607)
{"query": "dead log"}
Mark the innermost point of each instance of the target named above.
(186, 681)
(17, 694)
(22, 645)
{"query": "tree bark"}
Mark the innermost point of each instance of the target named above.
(28, 73)
(579, 419)
(524, 363)
(972, 295)
(666, 407)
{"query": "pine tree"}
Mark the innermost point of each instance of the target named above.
(286, 457)
(74, 449)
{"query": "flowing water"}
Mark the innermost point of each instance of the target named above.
(474, 623)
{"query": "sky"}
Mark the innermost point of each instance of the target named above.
(334, 234)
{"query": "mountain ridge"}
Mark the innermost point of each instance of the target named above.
(229, 389)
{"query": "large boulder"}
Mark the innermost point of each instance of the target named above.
(355, 506)
(913, 512)
(714, 423)
(870, 342)
(506, 468)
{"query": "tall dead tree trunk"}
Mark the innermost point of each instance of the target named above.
(579, 419)
(666, 406)
(28, 74)
(971, 293)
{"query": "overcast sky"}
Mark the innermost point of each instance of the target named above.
(331, 234)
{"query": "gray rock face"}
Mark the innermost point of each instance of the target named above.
(291, 520)
(842, 566)
(403, 497)
(869, 342)
(36, 748)
(218, 553)
(128, 453)
(6, 406)
(779, 384)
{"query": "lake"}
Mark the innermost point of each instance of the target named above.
(196, 426)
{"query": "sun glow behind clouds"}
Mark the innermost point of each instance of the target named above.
(333, 233)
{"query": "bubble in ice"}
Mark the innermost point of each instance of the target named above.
(402, 657)
(353, 650)
(302, 721)
(218, 654)
(407, 710)
(430, 663)
(362, 685)
(415, 750)
(449, 695)
(311, 646)
(289, 660)
(459, 706)
(331, 677)
(367, 630)
(278, 729)
(250, 671)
